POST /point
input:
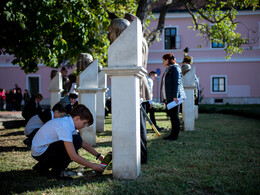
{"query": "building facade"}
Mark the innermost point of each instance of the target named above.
(234, 81)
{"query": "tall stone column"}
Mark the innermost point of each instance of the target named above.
(101, 101)
(55, 89)
(88, 87)
(188, 104)
(125, 70)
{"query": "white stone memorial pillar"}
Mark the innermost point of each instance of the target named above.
(55, 89)
(101, 101)
(125, 70)
(188, 104)
(88, 87)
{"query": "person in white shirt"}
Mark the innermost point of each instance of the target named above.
(149, 106)
(57, 142)
(37, 121)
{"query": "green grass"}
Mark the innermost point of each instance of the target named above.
(222, 156)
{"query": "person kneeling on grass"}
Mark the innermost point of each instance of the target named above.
(56, 144)
(37, 121)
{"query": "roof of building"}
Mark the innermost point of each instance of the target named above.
(179, 6)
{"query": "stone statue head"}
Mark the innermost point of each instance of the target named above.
(53, 73)
(117, 26)
(185, 68)
(84, 60)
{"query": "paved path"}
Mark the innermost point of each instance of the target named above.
(10, 116)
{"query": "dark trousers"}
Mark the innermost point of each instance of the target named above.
(143, 135)
(151, 111)
(175, 121)
(56, 156)
(32, 134)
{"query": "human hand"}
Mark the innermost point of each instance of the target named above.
(101, 157)
(176, 100)
(97, 167)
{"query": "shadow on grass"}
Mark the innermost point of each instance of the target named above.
(24, 181)
(14, 148)
(105, 133)
(104, 144)
(13, 134)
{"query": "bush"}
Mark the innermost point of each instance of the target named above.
(252, 111)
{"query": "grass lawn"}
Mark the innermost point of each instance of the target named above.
(222, 156)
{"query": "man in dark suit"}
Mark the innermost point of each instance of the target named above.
(32, 107)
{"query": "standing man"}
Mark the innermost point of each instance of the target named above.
(149, 104)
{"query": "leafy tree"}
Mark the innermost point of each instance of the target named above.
(55, 32)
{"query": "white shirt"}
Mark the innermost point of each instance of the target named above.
(53, 131)
(34, 123)
(150, 83)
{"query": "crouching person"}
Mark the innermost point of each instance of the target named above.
(56, 144)
(37, 121)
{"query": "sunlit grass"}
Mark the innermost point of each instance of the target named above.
(222, 156)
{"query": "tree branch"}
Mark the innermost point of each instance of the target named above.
(158, 31)
(142, 10)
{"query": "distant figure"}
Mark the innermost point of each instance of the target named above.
(33, 107)
(73, 102)
(9, 100)
(149, 104)
(2, 99)
(37, 121)
(18, 99)
(26, 96)
(65, 82)
(17, 87)
(14, 100)
(108, 106)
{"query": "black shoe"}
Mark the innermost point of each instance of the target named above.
(159, 128)
(170, 138)
(27, 142)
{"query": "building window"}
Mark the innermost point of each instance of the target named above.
(218, 84)
(217, 45)
(170, 35)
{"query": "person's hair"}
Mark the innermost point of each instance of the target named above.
(39, 96)
(63, 68)
(73, 96)
(152, 73)
(83, 112)
(58, 107)
(170, 57)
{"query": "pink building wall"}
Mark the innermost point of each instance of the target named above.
(11, 75)
(242, 71)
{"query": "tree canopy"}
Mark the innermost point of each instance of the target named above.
(55, 32)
